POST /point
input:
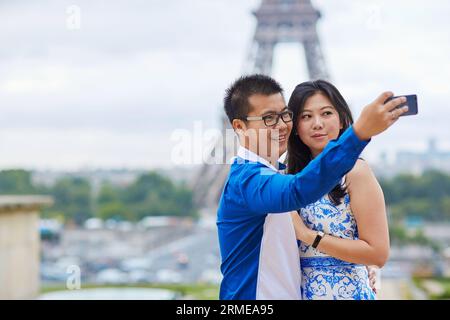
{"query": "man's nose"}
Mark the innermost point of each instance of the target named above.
(281, 124)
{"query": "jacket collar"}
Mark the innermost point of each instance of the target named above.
(248, 155)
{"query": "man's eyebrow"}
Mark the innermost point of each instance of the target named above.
(274, 111)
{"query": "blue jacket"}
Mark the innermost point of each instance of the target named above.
(254, 190)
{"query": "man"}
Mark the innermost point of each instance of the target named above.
(258, 245)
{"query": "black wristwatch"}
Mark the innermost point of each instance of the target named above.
(319, 237)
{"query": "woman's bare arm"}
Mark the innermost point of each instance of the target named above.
(368, 207)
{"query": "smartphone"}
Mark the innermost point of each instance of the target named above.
(411, 102)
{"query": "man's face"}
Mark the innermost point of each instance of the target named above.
(271, 141)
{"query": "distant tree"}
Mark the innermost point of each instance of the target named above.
(417, 207)
(114, 210)
(445, 207)
(17, 182)
(155, 195)
(422, 196)
(108, 194)
(73, 198)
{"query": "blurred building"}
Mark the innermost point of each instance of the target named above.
(19, 246)
(415, 162)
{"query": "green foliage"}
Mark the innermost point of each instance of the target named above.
(443, 282)
(151, 195)
(73, 197)
(426, 196)
(155, 195)
(16, 182)
(401, 236)
(113, 210)
(445, 207)
(109, 204)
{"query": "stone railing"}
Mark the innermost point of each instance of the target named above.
(19, 245)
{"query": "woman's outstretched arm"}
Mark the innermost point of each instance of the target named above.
(368, 206)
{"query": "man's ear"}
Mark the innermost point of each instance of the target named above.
(239, 126)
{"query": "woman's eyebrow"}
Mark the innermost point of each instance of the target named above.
(324, 107)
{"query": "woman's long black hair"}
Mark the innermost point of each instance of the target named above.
(299, 154)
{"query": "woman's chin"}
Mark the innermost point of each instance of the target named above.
(317, 148)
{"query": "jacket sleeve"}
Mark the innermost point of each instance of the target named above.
(266, 191)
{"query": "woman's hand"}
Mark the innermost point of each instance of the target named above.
(373, 270)
(302, 232)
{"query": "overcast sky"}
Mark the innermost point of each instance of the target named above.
(108, 89)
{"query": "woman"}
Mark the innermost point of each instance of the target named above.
(352, 216)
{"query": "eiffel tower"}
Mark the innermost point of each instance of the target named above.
(277, 21)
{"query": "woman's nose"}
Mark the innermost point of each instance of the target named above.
(318, 122)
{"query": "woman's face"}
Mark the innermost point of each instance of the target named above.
(318, 123)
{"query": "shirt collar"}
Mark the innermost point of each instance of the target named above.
(246, 154)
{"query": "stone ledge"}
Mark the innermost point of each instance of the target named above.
(25, 203)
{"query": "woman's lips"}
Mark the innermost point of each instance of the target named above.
(319, 136)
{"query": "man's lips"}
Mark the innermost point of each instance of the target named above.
(280, 137)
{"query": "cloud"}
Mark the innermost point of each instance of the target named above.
(136, 71)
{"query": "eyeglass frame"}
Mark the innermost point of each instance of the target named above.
(279, 116)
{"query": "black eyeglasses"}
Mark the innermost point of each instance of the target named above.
(272, 119)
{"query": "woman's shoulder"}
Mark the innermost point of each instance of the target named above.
(359, 172)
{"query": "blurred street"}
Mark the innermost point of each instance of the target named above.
(176, 254)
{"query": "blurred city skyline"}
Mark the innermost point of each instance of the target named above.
(87, 84)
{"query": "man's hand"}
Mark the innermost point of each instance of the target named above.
(372, 270)
(378, 116)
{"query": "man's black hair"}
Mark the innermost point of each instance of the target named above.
(236, 102)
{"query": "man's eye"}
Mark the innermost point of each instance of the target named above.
(269, 117)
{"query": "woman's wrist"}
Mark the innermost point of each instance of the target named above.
(309, 236)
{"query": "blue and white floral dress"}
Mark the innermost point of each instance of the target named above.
(325, 277)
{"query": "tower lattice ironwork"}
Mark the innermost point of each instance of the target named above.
(277, 21)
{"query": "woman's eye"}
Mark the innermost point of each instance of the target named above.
(328, 113)
(306, 116)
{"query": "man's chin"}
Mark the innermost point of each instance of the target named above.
(278, 148)
(282, 148)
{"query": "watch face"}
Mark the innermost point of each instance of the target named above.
(319, 237)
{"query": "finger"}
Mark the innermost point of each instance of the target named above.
(384, 96)
(391, 105)
(398, 112)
